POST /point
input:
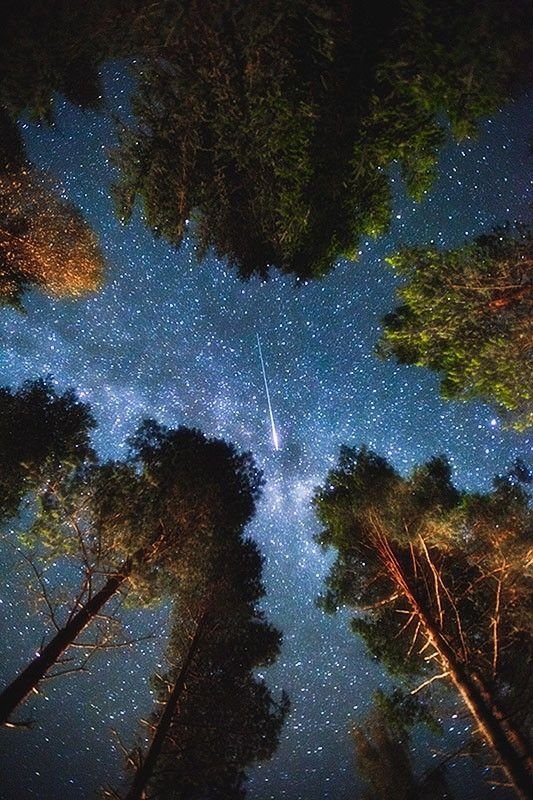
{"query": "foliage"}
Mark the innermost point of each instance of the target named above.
(43, 435)
(224, 718)
(169, 518)
(384, 760)
(166, 514)
(44, 240)
(440, 578)
(272, 125)
(467, 313)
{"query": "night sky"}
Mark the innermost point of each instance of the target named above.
(175, 339)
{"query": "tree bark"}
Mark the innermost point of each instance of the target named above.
(29, 678)
(499, 734)
(145, 770)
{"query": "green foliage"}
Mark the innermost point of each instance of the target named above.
(420, 560)
(273, 125)
(167, 516)
(379, 633)
(401, 711)
(467, 314)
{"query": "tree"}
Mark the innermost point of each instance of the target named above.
(467, 313)
(44, 240)
(156, 520)
(42, 435)
(272, 125)
(440, 584)
(384, 759)
(58, 49)
(216, 716)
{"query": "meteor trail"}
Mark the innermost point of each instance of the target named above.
(275, 438)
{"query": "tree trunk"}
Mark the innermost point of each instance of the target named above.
(490, 720)
(29, 678)
(145, 770)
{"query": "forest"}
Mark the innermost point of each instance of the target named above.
(266, 400)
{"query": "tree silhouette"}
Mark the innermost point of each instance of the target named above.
(467, 313)
(439, 581)
(216, 717)
(272, 125)
(159, 519)
(42, 435)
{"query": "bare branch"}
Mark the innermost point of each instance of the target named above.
(440, 676)
(44, 592)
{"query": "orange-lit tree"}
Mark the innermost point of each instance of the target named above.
(44, 240)
(440, 581)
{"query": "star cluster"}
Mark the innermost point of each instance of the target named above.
(170, 338)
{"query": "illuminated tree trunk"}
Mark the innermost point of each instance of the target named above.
(498, 732)
(145, 770)
(28, 680)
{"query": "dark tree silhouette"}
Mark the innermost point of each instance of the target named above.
(272, 125)
(217, 717)
(439, 581)
(43, 434)
(157, 520)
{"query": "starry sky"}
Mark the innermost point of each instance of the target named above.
(175, 339)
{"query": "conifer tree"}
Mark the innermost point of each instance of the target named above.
(439, 580)
(148, 524)
(468, 314)
(216, 716)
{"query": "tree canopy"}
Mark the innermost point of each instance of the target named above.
(42, 434)
(221, 716)
(167, 517)
(468, 314)
(44, 240)
(272, 125)
(439, 579)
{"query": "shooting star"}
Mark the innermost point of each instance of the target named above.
(275, 438)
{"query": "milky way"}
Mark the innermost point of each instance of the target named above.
(175, 339)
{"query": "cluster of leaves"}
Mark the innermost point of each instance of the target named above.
(468, 313)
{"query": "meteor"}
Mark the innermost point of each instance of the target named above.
(275, 438)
